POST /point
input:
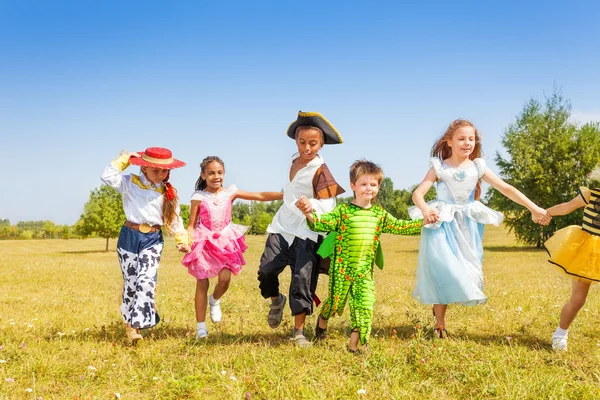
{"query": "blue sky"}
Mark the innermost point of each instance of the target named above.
(79, 81)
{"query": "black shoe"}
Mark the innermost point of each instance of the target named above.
(320, 333)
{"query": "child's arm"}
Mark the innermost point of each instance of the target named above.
(112, 174)
(194, 207)
(182, 238)
(328, 222)
(430, 215)
(258, 196)
(538, 214)
(399, 226)
(568, 207)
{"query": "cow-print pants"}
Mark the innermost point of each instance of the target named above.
(139, 256)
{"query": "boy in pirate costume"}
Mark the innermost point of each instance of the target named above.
(290, 242)
(354, 246)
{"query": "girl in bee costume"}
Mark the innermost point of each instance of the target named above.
(576, 251)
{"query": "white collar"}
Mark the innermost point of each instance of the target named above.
(318, 160)
(147, 182)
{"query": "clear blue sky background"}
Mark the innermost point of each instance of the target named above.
(81, 80)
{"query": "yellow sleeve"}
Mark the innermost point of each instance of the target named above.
(121, 162)
(183, 237)
(585, 194)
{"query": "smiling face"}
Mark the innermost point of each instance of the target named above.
(365, 189)
(213, 173)
(155, 175)
(309, 142)
(462, 143)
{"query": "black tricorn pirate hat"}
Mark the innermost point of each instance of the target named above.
(311, 118)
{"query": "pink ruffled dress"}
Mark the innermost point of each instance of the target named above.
(218, 242)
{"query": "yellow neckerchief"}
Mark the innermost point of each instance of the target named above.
(136, 179)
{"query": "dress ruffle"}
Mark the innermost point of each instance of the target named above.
(575, 252)
(475, 210)
(213, 251)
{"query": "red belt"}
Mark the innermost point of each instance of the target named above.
(144, 228)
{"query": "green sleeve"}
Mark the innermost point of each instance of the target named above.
(327, 222)
(401, 227)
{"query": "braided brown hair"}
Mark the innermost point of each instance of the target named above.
(201, 183)
(169, 207)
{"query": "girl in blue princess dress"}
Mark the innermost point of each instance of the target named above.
(450, 254)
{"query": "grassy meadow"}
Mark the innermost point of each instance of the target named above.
(61, 335)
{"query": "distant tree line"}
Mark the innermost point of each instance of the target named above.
(548, 155)
(34, 230)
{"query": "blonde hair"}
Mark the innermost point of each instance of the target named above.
(441, 149)
(169, 207)
(364, 167)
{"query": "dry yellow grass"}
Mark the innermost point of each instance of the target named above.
(62, 337)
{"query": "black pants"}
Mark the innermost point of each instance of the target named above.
(301, 256)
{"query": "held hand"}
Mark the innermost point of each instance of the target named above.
(430, 216)
(541, 216)
(304, 205)
(183, 248)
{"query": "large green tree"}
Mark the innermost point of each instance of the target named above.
(548, 155)
(103, 214)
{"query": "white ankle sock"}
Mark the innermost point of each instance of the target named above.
(212, 300)
(201, 325)
(560, 333)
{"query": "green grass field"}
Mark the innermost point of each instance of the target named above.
(61, 334)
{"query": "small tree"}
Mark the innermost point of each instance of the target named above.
(184, 212)
(549, 156)
(102, 214)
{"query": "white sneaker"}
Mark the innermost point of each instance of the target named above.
(215, 309)
(201, 333)
(559, 343)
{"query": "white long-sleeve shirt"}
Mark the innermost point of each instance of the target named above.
(289, 221)
(142, 199)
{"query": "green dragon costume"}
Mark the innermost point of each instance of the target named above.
(352, 246)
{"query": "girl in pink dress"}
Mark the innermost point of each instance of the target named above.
(218, 242)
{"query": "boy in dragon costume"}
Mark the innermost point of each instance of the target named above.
(354, 247)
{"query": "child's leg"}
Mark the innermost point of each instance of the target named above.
(200, 299)
(439, 312)
(200, 305)
(274, 259)
(214, 301)
(144, 314)
(579, 292)
(361, 301)
(354, 337)
(222, 284)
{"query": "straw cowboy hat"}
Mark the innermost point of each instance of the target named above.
(156, 157)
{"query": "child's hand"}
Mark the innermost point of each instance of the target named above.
(541, 216)
(184, 248)
(430, 216)
(304, 205)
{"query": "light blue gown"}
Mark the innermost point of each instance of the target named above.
(450, 253)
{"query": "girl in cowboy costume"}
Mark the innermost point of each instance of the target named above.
(150, 203)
